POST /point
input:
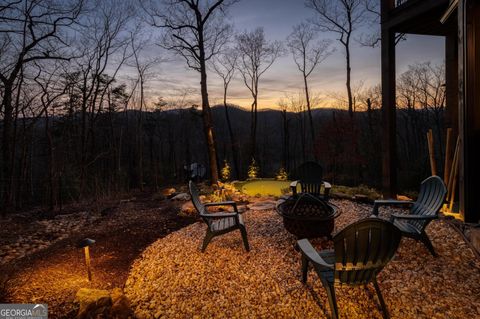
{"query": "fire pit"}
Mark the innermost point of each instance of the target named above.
(307, 216)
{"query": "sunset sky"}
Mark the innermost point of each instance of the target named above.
(278, 17)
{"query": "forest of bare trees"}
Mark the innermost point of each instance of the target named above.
(78, 122)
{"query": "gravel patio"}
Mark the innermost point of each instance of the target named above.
(173, 279)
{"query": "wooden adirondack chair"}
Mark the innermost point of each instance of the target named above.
(423, 211)
(361, 250)
(218, 223)
(310, 177)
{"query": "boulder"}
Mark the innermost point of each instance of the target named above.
(340, 195)
(188, 209)
(121, 308)
(181, 197)
(168, 191)
(262, 205)
(361, 198)
(240, 208)
(93, 303)
(402, 197)
(97, 303)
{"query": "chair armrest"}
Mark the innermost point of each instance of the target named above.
(228, 203)
(309, 251)
(293, 187)
(412, 217)
(219, 215)
(388, 202)
(327, 187)
(392, 202)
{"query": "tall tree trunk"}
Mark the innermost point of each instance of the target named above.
(6, 146)
(253, 133)
(51, 163)
(349, 70)
(302, 135)
(207, 117)
(233, 142)
(309, 109)
(83, 147)
(139, 136)
(285, 140)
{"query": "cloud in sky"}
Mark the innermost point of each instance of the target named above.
(278, 17)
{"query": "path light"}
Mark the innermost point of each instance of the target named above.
(85, 244)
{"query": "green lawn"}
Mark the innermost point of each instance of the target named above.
(264, 187)
(271, 187)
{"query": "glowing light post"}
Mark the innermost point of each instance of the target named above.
(85, 244)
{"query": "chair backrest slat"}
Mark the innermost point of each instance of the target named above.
(194, 194)
(310, 175)
(430, 200)
(362, 249)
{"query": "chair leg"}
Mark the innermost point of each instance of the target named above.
(375, 209)
(206, 240)
(304, 268)
(385, 313)
(426, 241)
(331, 299)
(243, 231)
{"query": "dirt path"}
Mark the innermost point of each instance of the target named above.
(55, 270)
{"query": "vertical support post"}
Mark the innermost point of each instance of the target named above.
(469, 108)
(389, 145)
(451, 82)
(87, 262)
(461, 101)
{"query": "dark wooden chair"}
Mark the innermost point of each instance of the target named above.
(361, 250)
(310, 177)
(423, 211)
(218, 223)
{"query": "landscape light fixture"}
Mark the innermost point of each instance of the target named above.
(85, 244)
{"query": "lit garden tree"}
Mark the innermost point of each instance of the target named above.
(196, 30)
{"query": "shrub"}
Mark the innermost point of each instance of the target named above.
(253, 170)
(281, 175)
(226, 171)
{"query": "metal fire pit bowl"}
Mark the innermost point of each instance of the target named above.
(307, 216)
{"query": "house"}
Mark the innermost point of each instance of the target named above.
(459, 22)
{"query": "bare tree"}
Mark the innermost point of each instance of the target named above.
(340, 17)
(103, 48)
(284, 108)
(197, 31)
(225, 65)
(31, 30)
(307, 54)
(52, 90)
(372, 39)
(256, 56)
(143, 67)
(422, 86)
(296, 104)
